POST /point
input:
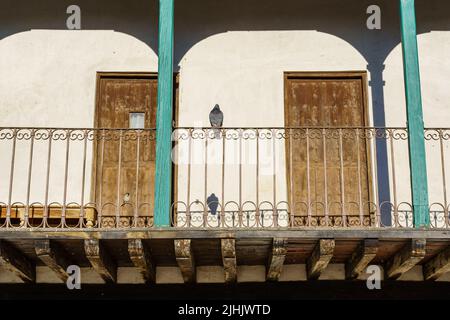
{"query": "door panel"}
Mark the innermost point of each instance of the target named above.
(327, 166)
(125, 159)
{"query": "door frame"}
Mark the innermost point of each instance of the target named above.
(126, 75)
(359, 75)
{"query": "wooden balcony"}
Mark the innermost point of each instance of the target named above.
(306, 198)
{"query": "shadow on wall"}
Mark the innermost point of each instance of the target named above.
(197, 20)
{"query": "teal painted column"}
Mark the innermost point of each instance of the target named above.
(163, 171)
(419, 185)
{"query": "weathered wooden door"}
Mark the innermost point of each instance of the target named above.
(125, 148)
(328, 172)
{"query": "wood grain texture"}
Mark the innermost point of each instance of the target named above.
(277, 258)
(414, 112)
(17, 263)
(101, 260)
(54, 256)
(229, 260)
(141, 257)
(320, 171)
(361, 258)
(437, 266)
(163, 178)
(404, 260)
(320, 258)
(117, 98)
(185, 260)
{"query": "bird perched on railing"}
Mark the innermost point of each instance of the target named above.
(126, 199)
(216, 120)
(213, 203)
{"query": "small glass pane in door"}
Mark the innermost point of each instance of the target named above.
(137, 120)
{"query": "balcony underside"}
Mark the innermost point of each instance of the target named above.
(277, 252)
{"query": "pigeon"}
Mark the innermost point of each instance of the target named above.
(126, 199)
(216, 120)
(213, 203)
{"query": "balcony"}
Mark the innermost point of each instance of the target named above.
(245, 178)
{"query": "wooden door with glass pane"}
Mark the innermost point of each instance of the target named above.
(327, 153)
(125, 148)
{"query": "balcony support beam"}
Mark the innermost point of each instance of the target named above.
(16, 262)
(101, 260)
(163, 172)
(228, 247)
(54, 256)
(404, 260)
(185, 260)
(276, 260)
(437, 266)
(320, 258)
(141, 257)
(417, 158)
(361, 257)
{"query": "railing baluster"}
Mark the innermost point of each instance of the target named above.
(444, 178)
(394, 176)
(342, 184)
(136, 189)
(11, 178)
(205, 203)
(308, 179)
(66, 176)
(47, 178)
(240, 221)
(324, 133)
(358, 152)
(83, 177)
(222, 211)
(375, 173)
(30, 170)
(274, 161)
(188, 203)
(258, 214)
(100, 168)
(119, 180)
(291, 180)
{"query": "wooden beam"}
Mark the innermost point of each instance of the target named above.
(320, 258)
(185, 260)
(404, 260)
(163, 172)
(414, 114)
(16, 262)
(141, 257)
(229, 259)
(437, 266)
(360, 259)
(53, 256)
(276, 259)
(100, 260)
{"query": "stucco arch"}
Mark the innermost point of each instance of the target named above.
(244, 69)
(51, 73)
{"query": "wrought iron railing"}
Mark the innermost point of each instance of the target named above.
(304, 177)
(76, 178)
(355, 177)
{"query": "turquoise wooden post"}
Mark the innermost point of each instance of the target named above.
(163, 171)
(419, 185)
